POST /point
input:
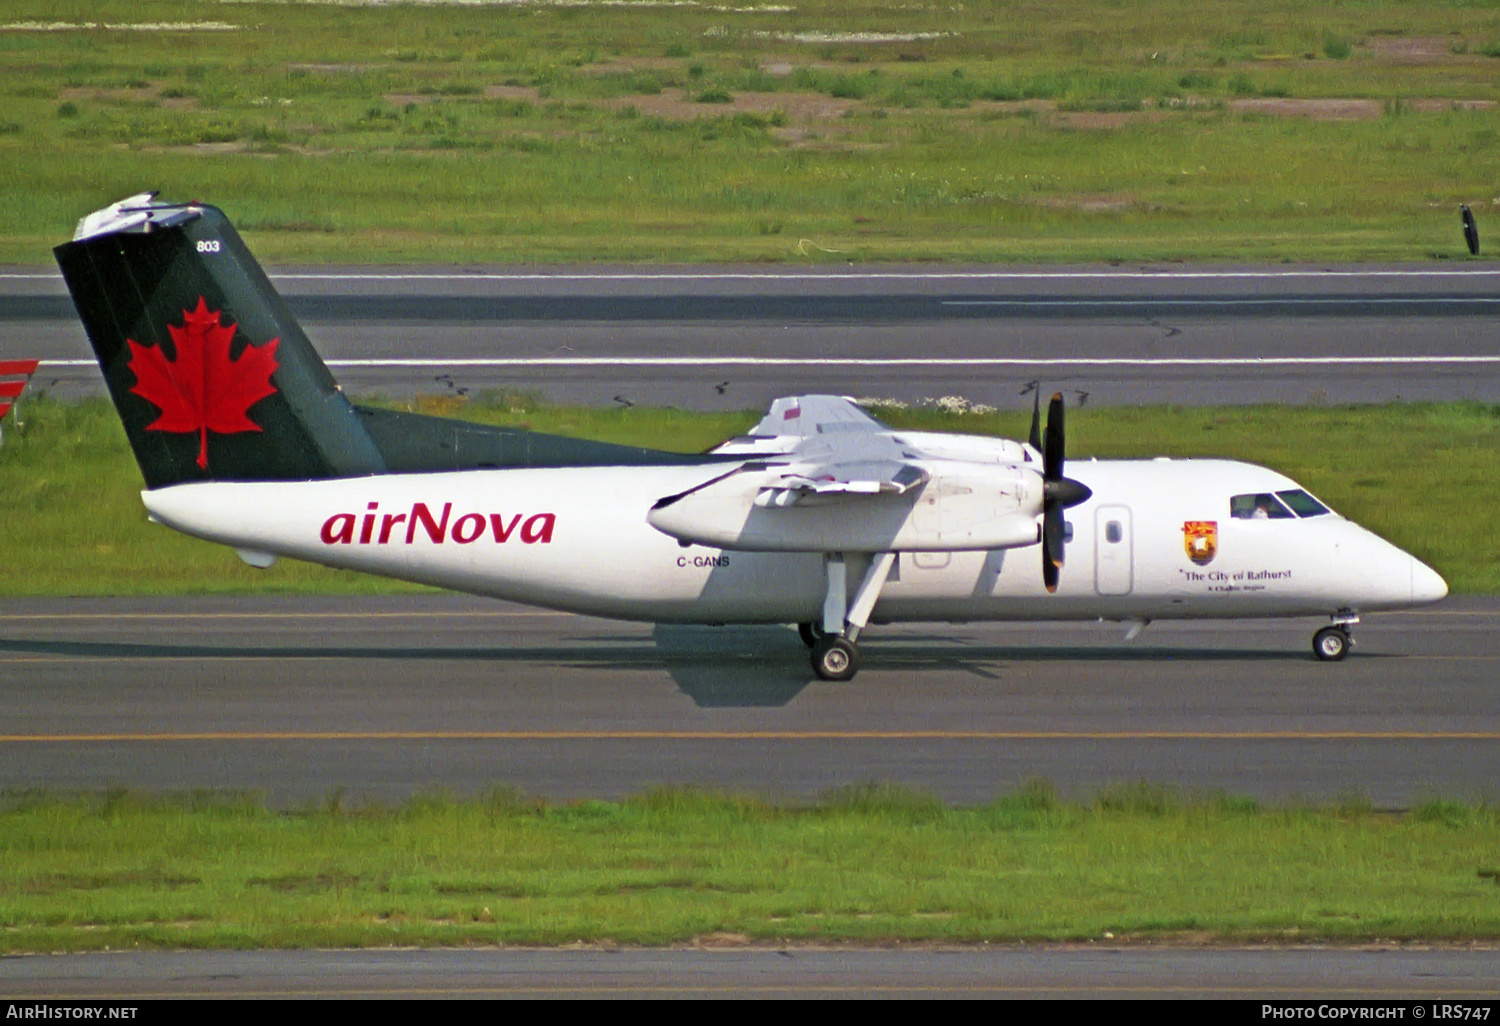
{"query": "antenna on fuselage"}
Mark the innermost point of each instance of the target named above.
(1035, 438)
(1471, 230)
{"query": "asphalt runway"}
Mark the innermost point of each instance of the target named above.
(1043, 971)
(737, 337)
(381, 698)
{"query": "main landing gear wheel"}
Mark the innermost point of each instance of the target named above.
(1332, 643)
(835, 657)
(811, 633)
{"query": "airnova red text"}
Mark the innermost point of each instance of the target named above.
(376, 528)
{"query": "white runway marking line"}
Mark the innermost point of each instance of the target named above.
(1211, 301)
(797, 274)
(892, 276)
(894, 361)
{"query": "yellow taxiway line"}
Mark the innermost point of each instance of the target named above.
(761, 735)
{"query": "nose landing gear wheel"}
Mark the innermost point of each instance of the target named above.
(835, 658)
(1331, 644)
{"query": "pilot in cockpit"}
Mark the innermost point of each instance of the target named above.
(1287, 505)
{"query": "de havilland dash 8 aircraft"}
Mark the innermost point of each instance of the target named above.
(821, 516)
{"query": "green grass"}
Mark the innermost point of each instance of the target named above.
(868, 865)
(537, 133)
(1421, 475)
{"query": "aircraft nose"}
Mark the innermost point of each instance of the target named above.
(1427, 585)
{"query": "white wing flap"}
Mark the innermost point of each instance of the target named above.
(863, 477)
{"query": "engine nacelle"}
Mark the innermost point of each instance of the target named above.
(962, 507)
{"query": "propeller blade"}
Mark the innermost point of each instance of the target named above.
(1052, 455)
(1058, 492)
(1052, 536)
(1036, 419)
(1052, 547)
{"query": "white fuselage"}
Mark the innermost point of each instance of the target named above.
(577, 539)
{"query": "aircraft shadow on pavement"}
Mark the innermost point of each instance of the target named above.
(714, 666)
(720, 667)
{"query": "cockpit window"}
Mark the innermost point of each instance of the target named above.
(1302, 504)
(1264, 506)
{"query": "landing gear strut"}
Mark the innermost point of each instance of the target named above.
(1333, 642)
(834, 654)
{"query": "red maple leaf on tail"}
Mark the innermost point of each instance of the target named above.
(203, 390)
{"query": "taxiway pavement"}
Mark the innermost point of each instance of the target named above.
(385, 697)
(1020, 971)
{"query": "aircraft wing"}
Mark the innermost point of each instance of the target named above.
(822, 475)
(825, 445)
(809, 416)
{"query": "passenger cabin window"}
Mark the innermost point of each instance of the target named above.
(1264, 506)
(1112, 532)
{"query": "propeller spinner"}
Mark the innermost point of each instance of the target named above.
(1058, 492)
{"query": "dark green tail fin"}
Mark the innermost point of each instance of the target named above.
(211, 375)
(214, 380)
